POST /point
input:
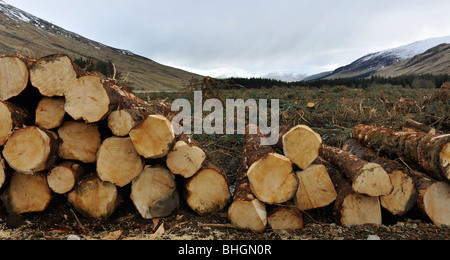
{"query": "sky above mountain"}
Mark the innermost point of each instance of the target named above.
(251, 37)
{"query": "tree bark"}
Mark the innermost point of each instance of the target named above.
(419, 127)
(430, 152)
(154, 192)
(300, 144)
(14, 76)
(30, 150)
(50, 113)
(367, 178)
(79, 141)
(2, 172)
(118, 161)
(12, 117)
(154, 138)
(208, 191)
(316, 189)
(271, 175)
(54, 74)
(186, 158)
(27, 194)
(64, 177)
(246, 211)
(352, 208)
(94, 198)
(404, 195)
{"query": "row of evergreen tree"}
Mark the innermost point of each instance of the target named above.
(406, 81)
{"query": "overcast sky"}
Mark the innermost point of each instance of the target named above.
(253, 36)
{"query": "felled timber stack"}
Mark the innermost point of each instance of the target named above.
(66, 131)
(423, 152)
(268, 189)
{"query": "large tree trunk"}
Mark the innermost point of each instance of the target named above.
(27, 194)
(12, 117)
(14, 77)
(186, 158)
(54, 74)
(154, 138)
(30, 150)
(79, 141)
(154, 192)
(246, 211)
(208, 191)
(367, 178)
(50, 112)
(404, 195)
(118, 161)
(352, 208)
(271, 175)
(431, 152)
(300, 144)
(316, 189)
(64, 177)
(94, 198)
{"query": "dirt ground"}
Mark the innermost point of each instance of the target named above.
(61, 222)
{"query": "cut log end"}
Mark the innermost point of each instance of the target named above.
(63, 178)
(14, 77)
(316, 189)
(79, 141)
(154, 193)
(185, 160)
(2, 172)
(359, 209)
(31, 150)
(373, 181)
(50, 113)
(437, 203)
(154, 138)
(53, 74)
(403, 197)
(94, 198)
(121, 122)
(87, 99)
(286, 218)
(248, 215)
(207, 192)
(272, 179)
(118, 161)
(6, 127)
(27, 194)
(444, 156)
(301, 145)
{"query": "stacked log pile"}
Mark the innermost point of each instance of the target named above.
(65, 131)
(69, 133)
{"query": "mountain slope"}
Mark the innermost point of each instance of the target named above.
(434, 61)
(370, 64)
(21, 32)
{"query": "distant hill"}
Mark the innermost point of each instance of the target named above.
(21, 32)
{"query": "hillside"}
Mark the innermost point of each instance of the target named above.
(21, 32)
(433, 61)
(371, 64)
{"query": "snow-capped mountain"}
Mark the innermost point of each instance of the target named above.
(369, 64)
(22, 32)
